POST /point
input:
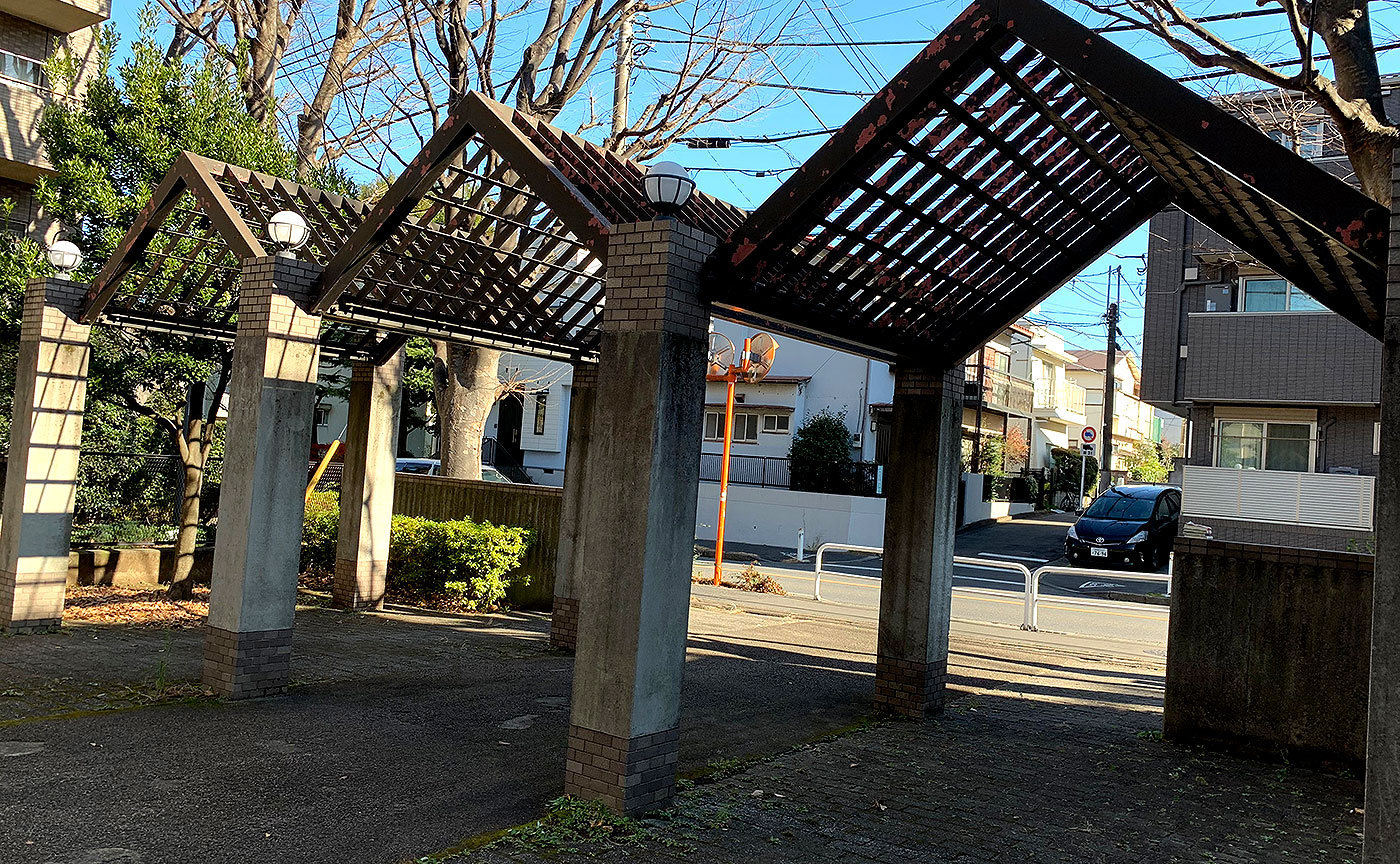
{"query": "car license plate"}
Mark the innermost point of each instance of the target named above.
(1096, 552)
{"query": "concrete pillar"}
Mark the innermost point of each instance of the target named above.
(42, 475)
(916, 585)
(1382, 822)
(563, 626)
(272, 392)
(367, 485)
(639, 519)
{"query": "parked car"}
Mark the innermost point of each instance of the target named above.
(1126, 527)
(434, 467)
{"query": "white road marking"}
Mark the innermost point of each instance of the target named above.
(1014, 557)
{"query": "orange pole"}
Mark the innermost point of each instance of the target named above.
(733, 376)
(724, 473)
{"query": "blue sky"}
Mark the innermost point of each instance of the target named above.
(1077, 309)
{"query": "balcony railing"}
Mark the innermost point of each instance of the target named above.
(1284, 497)
(1000, 391)
(1064, 398)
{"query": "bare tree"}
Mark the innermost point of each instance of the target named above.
(1351, 98)
(456, 46)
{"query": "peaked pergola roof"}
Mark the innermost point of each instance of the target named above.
(1006, 157)
(495, 234)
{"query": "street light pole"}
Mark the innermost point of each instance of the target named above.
(731, 376)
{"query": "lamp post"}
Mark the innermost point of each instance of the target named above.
(65, 256)
(287, 229)
(668, 187)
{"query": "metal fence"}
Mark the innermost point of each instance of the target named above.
(748, 470)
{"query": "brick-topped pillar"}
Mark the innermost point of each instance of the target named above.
(272, 394)
(639, 519)
(42, 477)
(563, 626)
(1382, 822)
(367, 485)
(916, 584)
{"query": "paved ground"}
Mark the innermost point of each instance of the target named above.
(987, 593)
(409, 733)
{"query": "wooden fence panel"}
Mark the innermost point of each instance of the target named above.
(518, 505)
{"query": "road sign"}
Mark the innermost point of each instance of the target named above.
(1087, 449)
(1088, 434)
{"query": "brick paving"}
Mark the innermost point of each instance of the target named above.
(1056, 762)
(1045, 752)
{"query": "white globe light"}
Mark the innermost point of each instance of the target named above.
(65, 256)
(288, 229)
(668, 187)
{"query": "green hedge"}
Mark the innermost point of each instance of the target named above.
(460, 564)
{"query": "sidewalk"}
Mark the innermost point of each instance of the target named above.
(410, 732)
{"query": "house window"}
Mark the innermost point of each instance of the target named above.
(777, 424)
(1276, 295)
(746, 428)
(323, 416)
(1259, 444)
(541, 400)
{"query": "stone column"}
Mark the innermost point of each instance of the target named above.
(1382, 822)
(272, 393)
(367, 485)
(563, 627)
(42, 475)
(639, 519)
(916, 584)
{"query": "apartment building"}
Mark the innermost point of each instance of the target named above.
(1281, 396)
(1133, 419)
(1058, 403)
(32, 32)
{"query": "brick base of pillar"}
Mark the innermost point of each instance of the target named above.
(358, 586)
(630, 775)
(247, 665)
(32, 603)
(563, 624)
(909, 688)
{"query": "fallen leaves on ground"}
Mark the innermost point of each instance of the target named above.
(135, 607)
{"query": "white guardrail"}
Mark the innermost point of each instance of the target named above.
(1030, 577)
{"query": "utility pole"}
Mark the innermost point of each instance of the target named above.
(622, 77)
(1109, 384)
(981, 394)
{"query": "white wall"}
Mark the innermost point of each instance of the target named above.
(772, 517)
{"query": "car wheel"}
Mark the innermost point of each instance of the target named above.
(1157, 559)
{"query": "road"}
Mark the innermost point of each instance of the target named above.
(1034, 541)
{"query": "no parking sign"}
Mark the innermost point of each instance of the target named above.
(1087, 435)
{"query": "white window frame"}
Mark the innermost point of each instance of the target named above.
(754, 423)
(719, 426)
(1264, 454)
(1289, 290)
(782, 424)
(323, 416)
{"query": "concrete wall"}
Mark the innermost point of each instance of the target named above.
(772, 517)
(533, 507)
(1269, 651)
(134, 566)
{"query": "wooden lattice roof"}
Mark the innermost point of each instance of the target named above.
(1004, 159)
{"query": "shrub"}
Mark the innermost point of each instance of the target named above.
(464, 562)
(1067, 466)
(319, 529)
(820, 456)
(752, 580)
(459, 565)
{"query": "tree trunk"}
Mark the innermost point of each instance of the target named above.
(465, 384)
(192, 457)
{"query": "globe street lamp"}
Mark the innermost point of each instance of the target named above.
(668, 187)
(288, 230)
(65, 256)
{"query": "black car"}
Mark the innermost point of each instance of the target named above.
(1127, 526)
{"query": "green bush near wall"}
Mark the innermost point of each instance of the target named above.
(459, 564)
